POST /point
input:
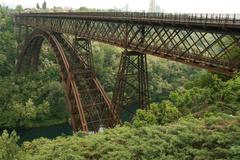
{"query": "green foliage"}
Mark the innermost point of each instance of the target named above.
(106, 61)
(165, 76)
(24, 113)
(191, 100)
(214, 137)
(144, 118)
(208, 92)
(19, 8)
(230, 98)
(162, 113)
(4, 67)
(32, 99)
(8, 147)
(165, 112)
(7, 43)
(85, 9)
(6, 22)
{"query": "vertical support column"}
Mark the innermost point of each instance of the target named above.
(132, 83)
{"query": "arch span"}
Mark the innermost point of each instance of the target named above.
(88, 103)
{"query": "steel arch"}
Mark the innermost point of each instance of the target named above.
(82, 115)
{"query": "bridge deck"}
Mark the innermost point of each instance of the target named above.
(220, 21)
(203, 40)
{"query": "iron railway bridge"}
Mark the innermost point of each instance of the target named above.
(202, 40)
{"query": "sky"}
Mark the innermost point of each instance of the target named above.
(173, 6)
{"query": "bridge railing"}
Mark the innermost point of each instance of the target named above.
(171, 17)
(208, 18)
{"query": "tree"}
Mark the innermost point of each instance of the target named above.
(19, 8)
(83, 9)
(8, 145)
(165, 112)
(38, 7)
(4, 69)
(158, 113)
(216, 137)
(44, 5)
(144, 118)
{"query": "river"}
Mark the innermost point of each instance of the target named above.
(47, 132)
(54, 131)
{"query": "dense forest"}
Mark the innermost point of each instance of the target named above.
(194, 114)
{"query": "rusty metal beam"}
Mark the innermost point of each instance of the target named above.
(87, 101)
(132, 83)
(197, 40)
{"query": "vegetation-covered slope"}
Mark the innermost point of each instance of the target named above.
(166, 131)
(213, 137)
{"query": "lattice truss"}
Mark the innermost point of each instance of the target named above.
(132, 83)
(206, 48)
(214, 50)
(94, 102)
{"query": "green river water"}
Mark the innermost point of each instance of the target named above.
(47, 132)
(54, 131)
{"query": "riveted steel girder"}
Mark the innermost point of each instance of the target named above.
(201, 40)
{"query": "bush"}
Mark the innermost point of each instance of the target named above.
(162, 113)
(215, 137)
(8, 146)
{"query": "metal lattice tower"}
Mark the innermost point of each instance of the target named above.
(132, 83)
